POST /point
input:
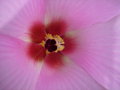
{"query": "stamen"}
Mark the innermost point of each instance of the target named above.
(53, 43)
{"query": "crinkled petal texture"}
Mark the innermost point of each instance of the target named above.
(20, 25)
(95, 52)
(82, 13)
(17, 71)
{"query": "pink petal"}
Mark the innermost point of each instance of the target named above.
(95, 51)
(69, 77)
(82, 13)
(21, 24)
(9, 8)
(17, 71)
(115, 76)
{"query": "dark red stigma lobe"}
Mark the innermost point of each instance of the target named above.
(50, 45)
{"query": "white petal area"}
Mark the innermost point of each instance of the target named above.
(82, 13)
(68, 77)
(95, 52)
(17, 71)
(21, 24)
(9, 8)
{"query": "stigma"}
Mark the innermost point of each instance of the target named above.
(53, 43)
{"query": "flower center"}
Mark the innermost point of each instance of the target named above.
(50, 45)
(53, 43)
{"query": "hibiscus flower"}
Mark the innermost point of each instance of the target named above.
(59, 44)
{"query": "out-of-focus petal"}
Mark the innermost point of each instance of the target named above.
(95, 53)
(21, 24)
(69, 77)
(17, 71)
(82, 13)
(9, 8)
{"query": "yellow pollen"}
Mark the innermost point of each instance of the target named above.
(59, 42)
